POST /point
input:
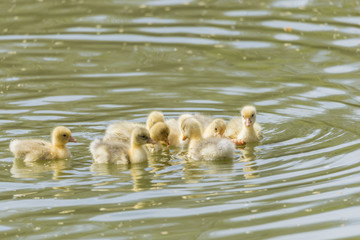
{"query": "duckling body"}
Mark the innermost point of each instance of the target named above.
(37, 149)
(122, 152)
(109, 151)
(210, 149)
(244, 129)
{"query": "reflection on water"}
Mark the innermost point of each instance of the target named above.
(21, 169)
(88, 64)
(250, 167)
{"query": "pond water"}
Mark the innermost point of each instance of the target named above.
(86, 64)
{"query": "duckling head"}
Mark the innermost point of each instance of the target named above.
(153, 118)
(248, 115)
(61, 135)
(141, 136)
(160, 132)
(217, 127)
(190, 128)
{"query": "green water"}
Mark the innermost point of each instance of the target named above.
(86, 64)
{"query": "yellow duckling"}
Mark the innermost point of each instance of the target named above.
(215, 129)
(244, 129)
(37, 149)
(212, 148)
(119, 152)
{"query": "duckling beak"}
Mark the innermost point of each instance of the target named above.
(167, 142)
(184, 137)
(72, 139)
(248, 122)
(150, 140)
(218, 135)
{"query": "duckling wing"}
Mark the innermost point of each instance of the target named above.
(31, 149)
(233, 128)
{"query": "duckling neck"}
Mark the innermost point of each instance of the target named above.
(58, 144)
(247, 133)
(59, 151)
(194, 140)
(137, 153)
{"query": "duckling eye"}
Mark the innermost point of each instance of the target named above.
(143, 136)
(215, 129)
(65, 135)
(252, 115)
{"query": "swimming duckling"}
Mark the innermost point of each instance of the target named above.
(205, 149)
(153, 118)
(215, 129)
(37, 149)
(119, 152)
(244, 129)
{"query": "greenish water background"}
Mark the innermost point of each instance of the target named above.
(86, 64)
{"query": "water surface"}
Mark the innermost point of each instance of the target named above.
(86, 64)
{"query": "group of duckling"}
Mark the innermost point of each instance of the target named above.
(128, 142)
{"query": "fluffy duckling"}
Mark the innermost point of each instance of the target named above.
(244, 129)
(37, 149)
(215, 129)
(119, 152)
(153, 118)
(205, 149)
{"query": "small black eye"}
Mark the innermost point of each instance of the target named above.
(215, 129)
(143, 136)
(65, 135)
(252, 115)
